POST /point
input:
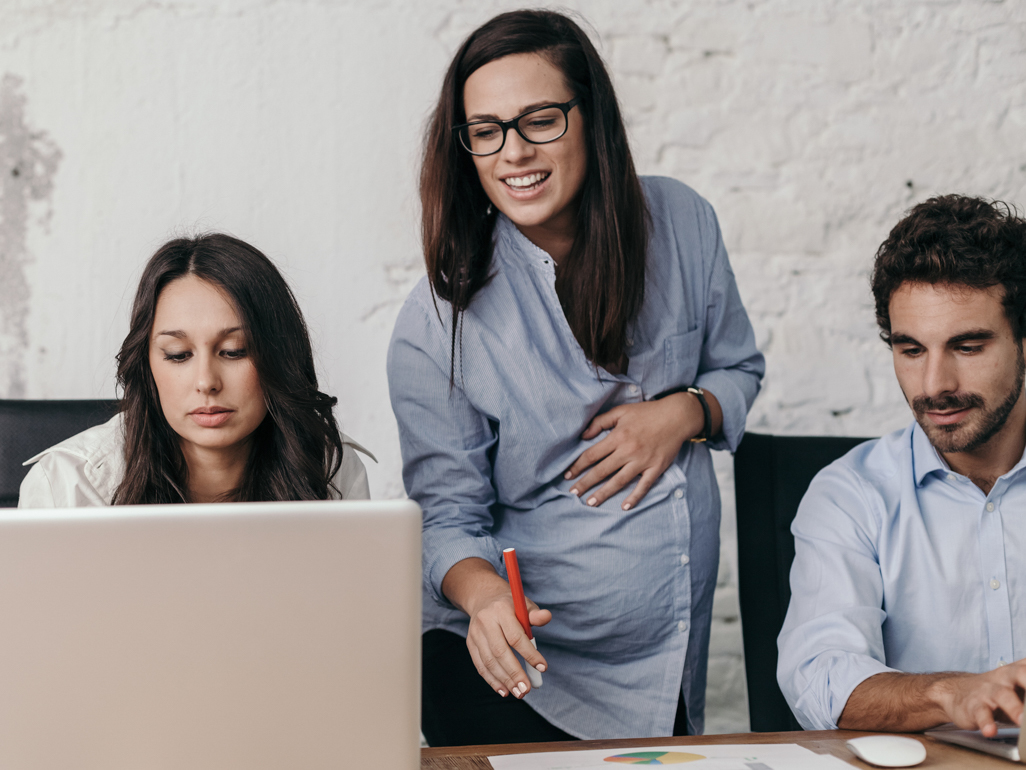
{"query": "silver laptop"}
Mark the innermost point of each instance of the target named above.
(256, 636)
(1008, 742)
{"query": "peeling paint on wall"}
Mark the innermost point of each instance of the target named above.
(28, 163)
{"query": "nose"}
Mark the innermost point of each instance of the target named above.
(940, 375)
(516, 148)
(208, 375)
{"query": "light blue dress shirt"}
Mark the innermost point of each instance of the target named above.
(901, 564)
(630, 592)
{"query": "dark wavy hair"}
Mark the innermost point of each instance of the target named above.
(297, 448)
(958, 240)
(601, 283)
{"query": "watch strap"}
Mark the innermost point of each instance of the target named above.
(706, 433)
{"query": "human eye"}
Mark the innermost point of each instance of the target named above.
(910, 351)
(970, 350)
(540, 123)
(177, 358)
(233, 354)
(484, 131)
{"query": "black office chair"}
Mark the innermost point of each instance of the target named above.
(771, 474)
(29, 427)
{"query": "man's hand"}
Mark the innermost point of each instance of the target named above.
(643, 440)
(914, 702)
(978, 702)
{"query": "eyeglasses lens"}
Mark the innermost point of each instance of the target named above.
(538, 127)
(543, 125)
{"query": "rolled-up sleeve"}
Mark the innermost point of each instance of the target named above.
(731, 366)
(445, 448)
(832, 638)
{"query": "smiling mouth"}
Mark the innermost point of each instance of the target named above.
(526, 182)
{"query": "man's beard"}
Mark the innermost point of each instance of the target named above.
(947, 438)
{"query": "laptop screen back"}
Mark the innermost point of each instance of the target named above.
(230, 636)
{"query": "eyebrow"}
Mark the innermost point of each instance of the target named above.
(974, 334)
(958, 339)
(477, 116)
(904, 339)
(178, 334)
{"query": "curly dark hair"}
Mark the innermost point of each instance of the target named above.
(297, 448)
(959, 240)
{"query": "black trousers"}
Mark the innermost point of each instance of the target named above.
(458, 708)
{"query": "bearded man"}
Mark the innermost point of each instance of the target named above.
(908, 588)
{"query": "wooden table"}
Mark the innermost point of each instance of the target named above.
(938, 755)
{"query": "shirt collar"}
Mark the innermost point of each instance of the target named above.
(926, 459)
(518, 244)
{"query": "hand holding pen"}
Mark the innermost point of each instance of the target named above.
(495, 634)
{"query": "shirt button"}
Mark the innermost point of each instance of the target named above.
(1002, 662)
(684, 559)
(995, 584)
(630, 341)
(678, 493)
(990, 506)
(682, 626)
(951, 477)
(633, 390)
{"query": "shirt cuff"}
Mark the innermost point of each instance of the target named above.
(844, 673)
(733, 405)
(446, 554)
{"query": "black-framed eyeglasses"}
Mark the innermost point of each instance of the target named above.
(538, 126)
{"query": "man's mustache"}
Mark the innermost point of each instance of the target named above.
(951, 402)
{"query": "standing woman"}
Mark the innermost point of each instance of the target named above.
(539, 375)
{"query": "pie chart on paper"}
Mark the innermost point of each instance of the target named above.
(654, 758)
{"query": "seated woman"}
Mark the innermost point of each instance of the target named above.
(220, 400)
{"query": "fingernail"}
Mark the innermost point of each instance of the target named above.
(502, 693)
(568, 475)
(541, 667)
(626, 506)
(575, 493)
(592, 501)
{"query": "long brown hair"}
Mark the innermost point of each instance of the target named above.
(601, 283)
(297, 449)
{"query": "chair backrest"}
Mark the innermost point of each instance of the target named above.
(29, 427)
(771, 475)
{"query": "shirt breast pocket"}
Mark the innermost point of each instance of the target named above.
(683, 352)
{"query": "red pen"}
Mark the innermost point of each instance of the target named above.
(509, 555)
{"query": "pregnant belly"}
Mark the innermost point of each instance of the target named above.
(607, 601)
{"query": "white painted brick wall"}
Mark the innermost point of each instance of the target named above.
(809, 124)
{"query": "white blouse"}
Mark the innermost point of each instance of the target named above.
(86, 469)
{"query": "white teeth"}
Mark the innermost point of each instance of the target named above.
(525, 181)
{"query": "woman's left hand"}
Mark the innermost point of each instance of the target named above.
(643, 440)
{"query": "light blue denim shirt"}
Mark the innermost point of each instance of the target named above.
(630, 592)
(901, 564)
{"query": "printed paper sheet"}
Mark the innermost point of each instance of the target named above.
(756, 756)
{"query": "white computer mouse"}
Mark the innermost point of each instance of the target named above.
(888, 750)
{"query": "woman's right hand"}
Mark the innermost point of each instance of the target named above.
(474, 587)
